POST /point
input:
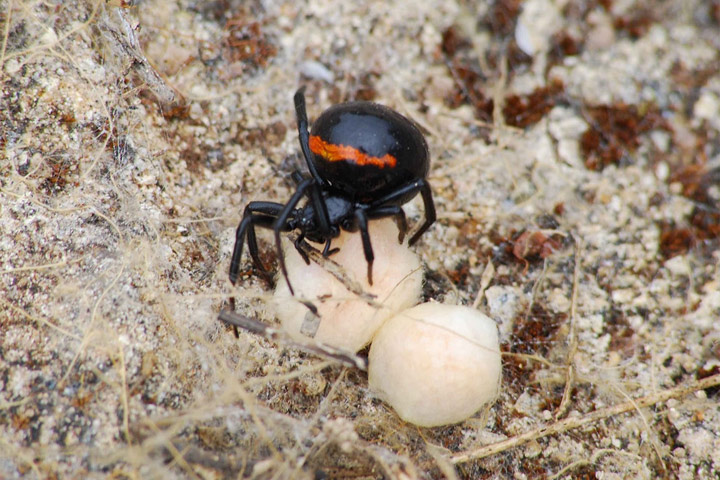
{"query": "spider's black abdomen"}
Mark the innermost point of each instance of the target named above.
(366, 150)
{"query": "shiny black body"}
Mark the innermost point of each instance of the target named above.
(376, 130)
(387, 166)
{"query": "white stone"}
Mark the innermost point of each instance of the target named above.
(316, 71)
(436, 364)
(537, 22)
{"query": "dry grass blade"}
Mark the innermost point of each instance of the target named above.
(336, 271)
(577, 422)
(343, 357)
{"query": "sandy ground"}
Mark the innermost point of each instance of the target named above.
(576, 160)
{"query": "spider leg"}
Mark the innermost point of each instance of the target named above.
(303, 134)
(362, 223)
(394, 211)
(327, 251)
(271, 210)
(321, 212)
(267, 212)
(281, 223)
(297, 177)
(421, 186)
(247, 225)
(304, 138)
(299, 248)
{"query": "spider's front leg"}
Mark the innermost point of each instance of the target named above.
(307, 186)
(256, 214)
(304, 134)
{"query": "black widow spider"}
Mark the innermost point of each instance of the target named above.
(365, 161)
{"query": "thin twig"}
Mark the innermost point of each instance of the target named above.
(337, 271)
(535, 290)
(487, 277)
(122, 39)
(6, 33)
(94, 315)
(124, 395)
(577, 422)
(590, 461)
(644, 419)
(39, 320)
(572, 338)
(46, 266)
(341, 356)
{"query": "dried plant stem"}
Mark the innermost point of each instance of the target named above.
(341, 356)
(572, 338)
(577, 422)
(337, 271)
